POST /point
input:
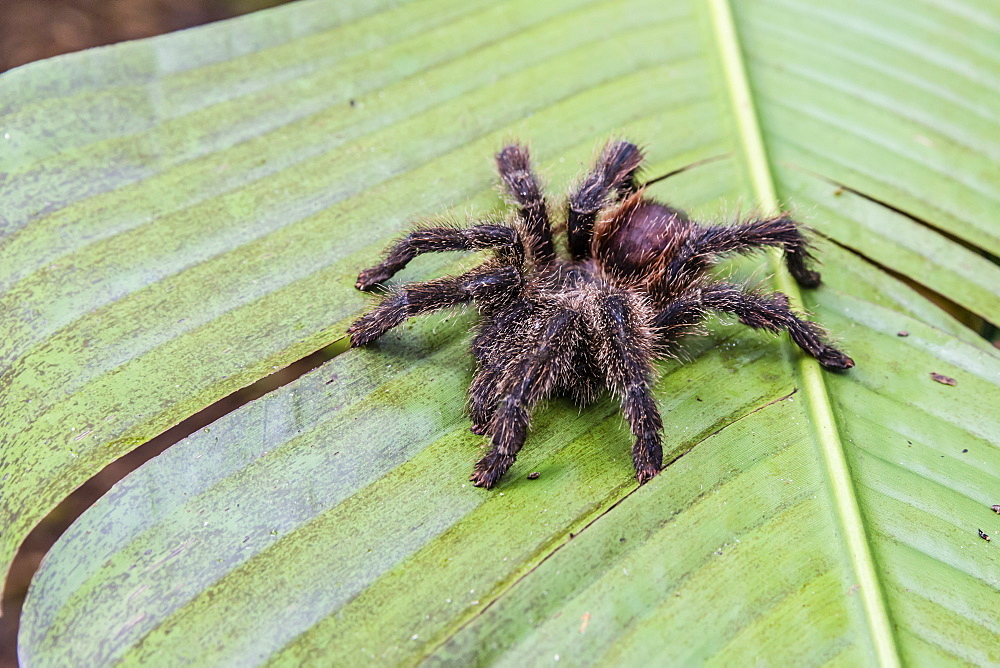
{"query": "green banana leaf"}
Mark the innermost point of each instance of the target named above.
(181, 216)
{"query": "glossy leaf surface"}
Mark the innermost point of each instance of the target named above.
(193, 214)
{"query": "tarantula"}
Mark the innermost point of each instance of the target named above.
(634, 282)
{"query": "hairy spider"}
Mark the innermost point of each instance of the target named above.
(634, 282)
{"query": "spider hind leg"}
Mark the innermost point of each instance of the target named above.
(611, 179)
(514, 166)
(779, 231)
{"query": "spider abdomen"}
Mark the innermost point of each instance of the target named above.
(635, 236)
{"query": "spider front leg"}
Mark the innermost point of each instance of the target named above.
(524, 384)
(514, 165)
(505, 240)
(768, 312)
(487, 283)
(779, 231)
(503, 325)
(625, 348)
(614, 174)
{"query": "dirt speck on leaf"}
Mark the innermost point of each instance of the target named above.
(944, 380)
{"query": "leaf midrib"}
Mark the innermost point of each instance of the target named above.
(814, 389)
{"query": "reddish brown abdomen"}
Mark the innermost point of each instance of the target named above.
(631, 239)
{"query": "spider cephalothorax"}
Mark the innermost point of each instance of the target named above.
(634, 282)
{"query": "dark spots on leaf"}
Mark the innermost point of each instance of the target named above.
(985, 536)
(944, 380)
(903, 333)
(534, 475)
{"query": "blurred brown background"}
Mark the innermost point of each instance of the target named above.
(35, 29)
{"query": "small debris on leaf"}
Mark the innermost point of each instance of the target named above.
(985, 536)
(534, 475)
(903, 333)
(944, 380)
(996, 509)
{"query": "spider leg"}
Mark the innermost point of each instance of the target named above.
(612, 178)
(768, 312)
(514, 165)
(524, 384)
(492, 360)
(505, 240)
(706, 242)
(483, 398)
(625, 349)
(488, 283)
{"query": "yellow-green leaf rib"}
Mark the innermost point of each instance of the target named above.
(813, 386)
